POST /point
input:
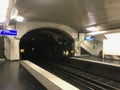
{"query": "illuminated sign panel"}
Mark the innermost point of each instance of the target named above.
(89, 38)
(8, 32)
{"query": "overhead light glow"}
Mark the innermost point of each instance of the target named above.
(14, 13)
(9, 28)
(91, 18)
(33, 49)
(72, 51)
(97, 33)
(22, 50)
(93, 28)
(115, 36)
(3, 10)
(67, 53)
(19, 18)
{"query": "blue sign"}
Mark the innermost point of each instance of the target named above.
(89, 38)
(8, 32)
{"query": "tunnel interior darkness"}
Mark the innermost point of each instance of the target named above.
(46, 43)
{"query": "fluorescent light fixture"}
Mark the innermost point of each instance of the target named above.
(91, 17)
(19, 18)
(113, 36)
(8, 28)
(3, 10)
(93, 28)
(14, 13)
(97, 33)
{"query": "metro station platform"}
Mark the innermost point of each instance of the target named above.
(103, 67)
(24, 75)
(96, 59)
(15, 77)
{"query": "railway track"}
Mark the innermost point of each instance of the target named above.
(76, 77)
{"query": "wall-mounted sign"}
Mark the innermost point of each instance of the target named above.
(8, 32)
(89, 38)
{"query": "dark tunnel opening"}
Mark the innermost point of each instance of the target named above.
(47, 44)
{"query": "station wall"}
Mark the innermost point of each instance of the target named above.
(111, 46)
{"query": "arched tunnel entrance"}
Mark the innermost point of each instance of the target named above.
(46, 43)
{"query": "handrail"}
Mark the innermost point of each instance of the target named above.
(87, 46)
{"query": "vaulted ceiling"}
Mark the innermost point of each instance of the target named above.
(77, 14)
